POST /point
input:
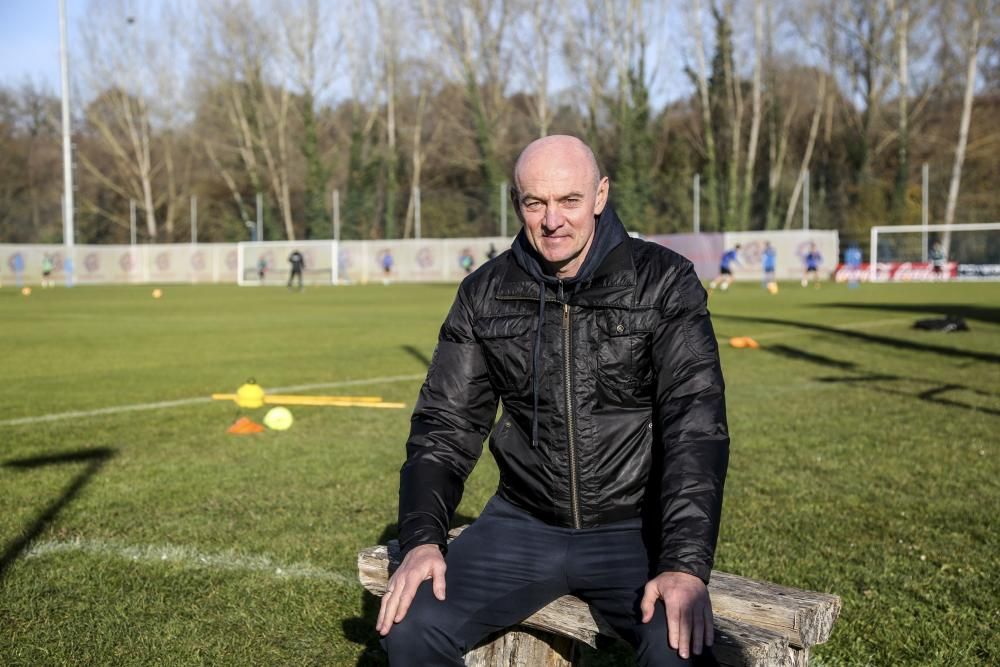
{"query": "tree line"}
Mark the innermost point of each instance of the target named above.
(763, 102)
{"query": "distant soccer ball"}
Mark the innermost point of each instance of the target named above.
(26, 291)
(278, 419)
(772, 288)
(157, 293)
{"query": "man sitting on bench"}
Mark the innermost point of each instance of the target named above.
(612, 446)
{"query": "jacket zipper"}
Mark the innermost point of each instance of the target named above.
(570, 425)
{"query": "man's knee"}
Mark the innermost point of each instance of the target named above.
(422, 637)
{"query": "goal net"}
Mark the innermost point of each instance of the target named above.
(906, 252)
(266, 262)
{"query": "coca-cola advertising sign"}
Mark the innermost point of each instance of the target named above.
(894, 272)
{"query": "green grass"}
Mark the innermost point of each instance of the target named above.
(864, 463)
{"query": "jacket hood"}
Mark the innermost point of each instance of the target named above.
(609, 233)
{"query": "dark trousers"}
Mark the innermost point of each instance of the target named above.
(295, 274)
(507, 565)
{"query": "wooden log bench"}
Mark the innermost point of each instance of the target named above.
(757, 623)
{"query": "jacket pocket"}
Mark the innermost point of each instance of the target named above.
(623, 350)
(506, 344)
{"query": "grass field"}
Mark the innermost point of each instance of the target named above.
(864, 463)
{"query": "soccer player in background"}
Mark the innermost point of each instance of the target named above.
(47, 266)
(387, 262)
(725, 276)
(298, 263)
(812, 261)
(768, 260)
(938, 260)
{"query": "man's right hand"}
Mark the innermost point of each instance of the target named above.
(420, 564)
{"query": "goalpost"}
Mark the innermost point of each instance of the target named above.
(974, 249)
(266, 262)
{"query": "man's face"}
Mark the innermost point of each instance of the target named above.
(557, 198)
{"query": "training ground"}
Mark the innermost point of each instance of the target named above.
(135, 531)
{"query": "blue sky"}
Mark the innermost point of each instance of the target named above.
(29, 40)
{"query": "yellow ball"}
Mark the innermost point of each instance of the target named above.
(250, 395)
(278, 419)
(157, 293)
(26, 291)
(772, 288)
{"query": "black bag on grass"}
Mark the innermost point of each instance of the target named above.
(946, 324)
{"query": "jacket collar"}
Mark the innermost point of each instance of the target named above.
(611, 286)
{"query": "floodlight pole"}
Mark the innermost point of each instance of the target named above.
(416, 212)
(805, 202)
(260, 217)
(925, 178)
(696, 203)
(131, 220)
(503, 209)
(194, 218)
(336, 215)
(68, 232)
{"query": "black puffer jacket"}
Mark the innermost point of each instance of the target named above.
(622, 385)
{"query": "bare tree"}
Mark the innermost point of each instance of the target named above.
(544, 27)
(118, 68)
(807, 156)
(584, 47)
(308, 60)
(756, 113)
(474, 40)
(700, 76)
(244, 76)
(973, 43)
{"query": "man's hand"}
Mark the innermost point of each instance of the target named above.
(421, 563)
(689, 610)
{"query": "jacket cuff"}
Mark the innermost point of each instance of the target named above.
(702, 571)
(410, 546)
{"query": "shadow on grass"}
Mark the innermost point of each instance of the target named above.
(801, 355)
(418, 355)
(935, 394)
(361, 630)
(94, 458)
(969, 312)
(896, 343)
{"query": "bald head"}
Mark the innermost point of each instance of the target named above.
(557, 148)
(558, 194)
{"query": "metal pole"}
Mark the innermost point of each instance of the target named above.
(68, 234)
(194, 218)
(503, 209)
(872, 255)
(805, 203)
(131, 219)
(925, 173)
(416, 211)
(696, 203)
(260, 217)
(336, 215)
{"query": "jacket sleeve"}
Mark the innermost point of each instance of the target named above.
(453, 416)
(693, 435)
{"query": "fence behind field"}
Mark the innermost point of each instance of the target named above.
(357, 262)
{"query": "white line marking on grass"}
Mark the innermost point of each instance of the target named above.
(76, 414)
(190, 558)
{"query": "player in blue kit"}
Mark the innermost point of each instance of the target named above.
(725, 276)
(812, 261)
(768, 262)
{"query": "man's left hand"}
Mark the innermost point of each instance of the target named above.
(689, 610)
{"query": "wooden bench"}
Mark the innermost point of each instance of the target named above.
(757, 624)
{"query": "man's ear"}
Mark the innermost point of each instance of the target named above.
(602, 195)
(515, 200)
